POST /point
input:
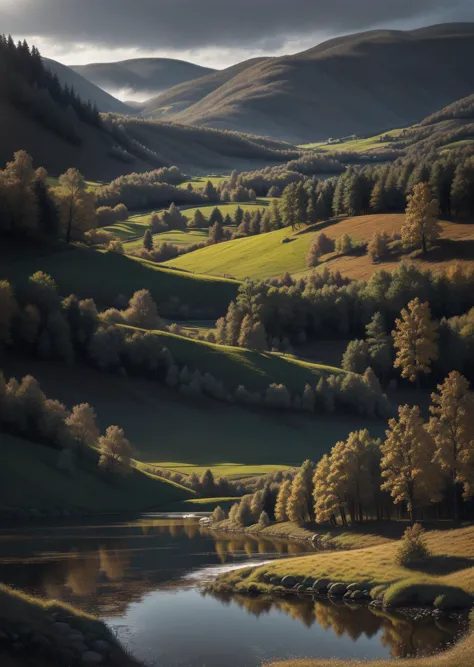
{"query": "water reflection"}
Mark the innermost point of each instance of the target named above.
(141, 576)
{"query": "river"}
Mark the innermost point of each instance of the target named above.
(144, 578)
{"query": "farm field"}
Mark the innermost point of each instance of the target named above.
(354, 145)
(104, 276)
(267, 255)
(164, 426)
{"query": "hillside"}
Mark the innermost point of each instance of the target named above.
(107, 276)
(316, 94)
(141, 77)
(165, 426)
(34, 481)
(267, 255)
(184, 96)
(85, 88)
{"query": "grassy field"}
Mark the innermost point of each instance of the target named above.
(104, 276)
(266, 255)
(355, 145)
(34, 481)
(199, 182)
(164, 426)
(138, 223)
(175, 236)
(450, 566)
(229, 470)
(91, 185)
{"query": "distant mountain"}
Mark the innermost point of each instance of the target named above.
(85, 89)
(358, 84)
(144, 77)
(184, 96)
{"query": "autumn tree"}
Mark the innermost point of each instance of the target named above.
(75, 204)
(452, 426)
(323, 499)
(378, 246)
(421, 226)
(415, 339)
(142, 311)
(252, 334)
(407, 465)
(115, 450)
(282, 501)
(321, 245)
(82, 425)
(300, 502)
(19, 180)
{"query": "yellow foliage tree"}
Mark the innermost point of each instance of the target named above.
(407, 464)
(282, 501)
(76, 205)
(414, 338)
(421, 225)
(323, 501)
(300, 502)
(452, 427)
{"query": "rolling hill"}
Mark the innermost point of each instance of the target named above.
(267, 256)
(85, 89)
(141, 77)
(362, 83)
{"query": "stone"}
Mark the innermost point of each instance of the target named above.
(101, 646)
(78, 646)
(357, 595)
(354, 587)
(300, 588)
(337, 590)
(309, 581)
(289, 582)
(91, 658)
(76, 635)
(253, 590)
(321, 585)
(62, 628)
(40, 640)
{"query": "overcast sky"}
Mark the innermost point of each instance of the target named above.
(216, 33)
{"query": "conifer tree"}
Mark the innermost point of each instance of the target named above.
(148, 240)
(282, 501)
(421, 227)
(321, 494)
(414, 338)
(300, 502)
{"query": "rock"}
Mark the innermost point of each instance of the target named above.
(348, 595)
(101, 646)
(309, 581)
(91, 658)
(288, 582)
(253, 590)
(62, 628)
(76, 635)
(376, 603)
(357, 595)
(337, 590)
(79, 647)
(40, 640)
(300, 588)
(354, 587)
(321, 585)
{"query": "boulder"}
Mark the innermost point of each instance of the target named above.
(289, 582)
(62, 628)
(79, 647)
(101, 646)
(354, 587)
(76, 635)
(321, 585)
(357, 595)
(337, 590)
(92, 658)
(309, 581)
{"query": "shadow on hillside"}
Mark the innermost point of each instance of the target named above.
(437, 565)
(447, 249)
(319, 226)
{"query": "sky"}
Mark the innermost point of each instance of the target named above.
(214, 33)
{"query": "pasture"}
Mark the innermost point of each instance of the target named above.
(351, 145)
(268, 255)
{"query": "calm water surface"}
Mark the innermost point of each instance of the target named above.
(144, 579)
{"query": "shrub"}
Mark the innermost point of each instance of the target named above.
(263, 520)
(116, 245)
(413, 548)
(453, 599)
(218, 514)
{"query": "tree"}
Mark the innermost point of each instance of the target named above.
(75, 204)
(378, 246)
(321, 245)
(207, 484)
(198, 220)
(321, 493)
(252, 334)
(142, 311)
(216, 233)
(407, 461)
(356, 357)
(344, 244)
(263, 520)
(421, 225)
(452, 426)
(377, 197)
(300, 502)
(148, 240)
(210, 192)
(218, 514)
(82, 425)
(19, 177)
(282, 501)
(275, 212)
(115, 450)
(414, 338)
(308, 401)
(379, 345)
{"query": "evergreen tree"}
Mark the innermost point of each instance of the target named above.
(148, 240)
(300, 503)
(282, 501)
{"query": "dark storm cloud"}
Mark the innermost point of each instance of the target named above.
(193, 24)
